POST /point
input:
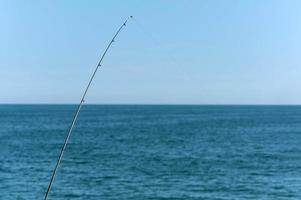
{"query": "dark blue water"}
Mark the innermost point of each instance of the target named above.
(152, 152)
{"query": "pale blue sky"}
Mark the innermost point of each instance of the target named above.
(178, 52)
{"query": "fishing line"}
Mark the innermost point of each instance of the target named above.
(79, 108)
(172, 58)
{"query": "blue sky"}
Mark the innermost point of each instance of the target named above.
(174, 52)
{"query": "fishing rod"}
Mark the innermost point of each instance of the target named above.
(79, 108)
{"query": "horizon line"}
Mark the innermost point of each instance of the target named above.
(157, 104)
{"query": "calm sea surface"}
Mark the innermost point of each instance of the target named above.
(152, 152)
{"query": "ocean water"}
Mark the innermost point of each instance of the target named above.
(152, 152)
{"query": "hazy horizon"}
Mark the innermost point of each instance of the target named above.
(143, 104)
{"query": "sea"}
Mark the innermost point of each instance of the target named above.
(152, 152)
